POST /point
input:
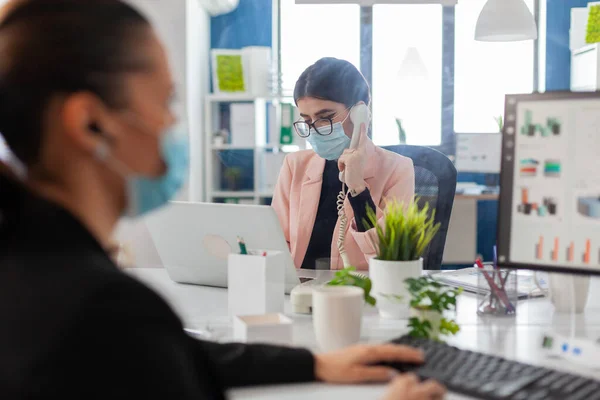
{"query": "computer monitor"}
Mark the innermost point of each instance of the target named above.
(549, 214)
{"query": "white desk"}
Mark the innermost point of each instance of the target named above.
(515, 338)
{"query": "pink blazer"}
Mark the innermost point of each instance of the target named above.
(296, 198)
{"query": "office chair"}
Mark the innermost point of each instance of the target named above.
(435, 183)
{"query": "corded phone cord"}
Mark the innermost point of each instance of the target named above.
(341, 198)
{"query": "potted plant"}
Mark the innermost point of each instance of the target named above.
(429, 301)
(349, 277)
(233, 175)
(403, 235)
(220, 137)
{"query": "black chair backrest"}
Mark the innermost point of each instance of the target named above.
(435, 183)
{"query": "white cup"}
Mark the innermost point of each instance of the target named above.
(560, 291)
(337, 316)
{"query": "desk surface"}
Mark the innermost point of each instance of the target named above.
(477, 197)
(514, 338)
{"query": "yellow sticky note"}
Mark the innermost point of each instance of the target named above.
(230, 73)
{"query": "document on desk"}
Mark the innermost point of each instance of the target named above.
(467, 279)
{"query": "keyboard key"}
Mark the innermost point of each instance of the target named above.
(585, 392)
(558, 384)
(540, 394)
(571, 387)
(548, 380)
(522, 395)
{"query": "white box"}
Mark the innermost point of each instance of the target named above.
(267, 328)
(242, 124)
(256, 283)
(257, 61)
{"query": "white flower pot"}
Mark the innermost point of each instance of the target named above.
(434, 318)
(389, 288)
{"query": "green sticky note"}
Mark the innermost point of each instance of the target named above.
(230, 73)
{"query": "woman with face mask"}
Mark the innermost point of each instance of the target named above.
(307, 191)
(84, 104)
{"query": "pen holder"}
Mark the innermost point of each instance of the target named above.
(256, 283)
(497, 292)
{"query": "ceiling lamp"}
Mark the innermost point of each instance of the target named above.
(505, 21)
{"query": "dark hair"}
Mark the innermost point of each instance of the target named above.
(50, 47)
(335, 80)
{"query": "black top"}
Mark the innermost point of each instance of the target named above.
(74, 326)
(319, 245)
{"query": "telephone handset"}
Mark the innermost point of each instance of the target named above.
(359, 115)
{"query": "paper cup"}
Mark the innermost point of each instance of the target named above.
(337, 316)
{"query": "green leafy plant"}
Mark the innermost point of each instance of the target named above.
(428, 295)
(592, 34)
(406, 231)
(500, 122)
(349, 277)
(401, 131)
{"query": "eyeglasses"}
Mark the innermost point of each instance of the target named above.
(322, 126)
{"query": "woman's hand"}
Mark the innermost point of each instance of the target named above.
(408, 387)
(353, 162)
(357, 364)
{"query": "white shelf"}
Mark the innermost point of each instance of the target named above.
(236, 147)
(233, 193)
(226, 98)
(265, 194)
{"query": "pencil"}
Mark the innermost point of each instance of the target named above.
(242, 245)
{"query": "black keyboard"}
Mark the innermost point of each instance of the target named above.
(488, 377)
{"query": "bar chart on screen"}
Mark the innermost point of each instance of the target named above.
(587, 248)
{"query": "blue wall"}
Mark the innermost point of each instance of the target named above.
(558, 54)
(248, 25)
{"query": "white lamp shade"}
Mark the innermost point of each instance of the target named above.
(412, 66)
(219, 7)
(505, 21)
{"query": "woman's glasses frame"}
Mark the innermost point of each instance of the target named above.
(301, 127)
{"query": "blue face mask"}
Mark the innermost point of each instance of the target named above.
(148, 194)
(332, 146)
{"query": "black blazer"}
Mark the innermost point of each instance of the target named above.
(73, 326)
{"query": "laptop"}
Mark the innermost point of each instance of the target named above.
(184, 235)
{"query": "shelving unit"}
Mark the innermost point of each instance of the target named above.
(266, 126)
